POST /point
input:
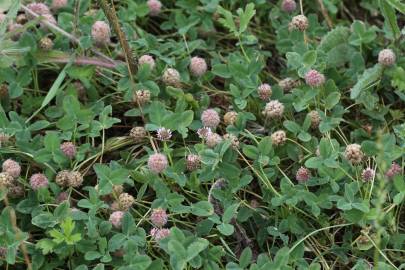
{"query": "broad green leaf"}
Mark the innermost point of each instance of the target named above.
(366, 80)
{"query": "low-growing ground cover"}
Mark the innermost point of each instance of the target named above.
(202, 134)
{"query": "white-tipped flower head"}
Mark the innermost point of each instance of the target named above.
(155, 6)
(213, 139)
(288, 5)
(193, 162)
(116, 218)
(157, 163)
(302, 175)
(164, 134)
(279, 137)
(68, 149)
(314, 78)
(38, 181)
(230, 118)
(62, 178)
(353, 153)
(264, 91)
(171, 77)
(147, 60)
(100, 32)
(198, 66)
(141, 97)
(386, 57)
(159, 217)
(273, 109)
(204, 132)
(299, 22)
(210, 118)
(367, 174)
(57, 4)
(12, 167)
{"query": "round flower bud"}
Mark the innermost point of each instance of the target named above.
(264, 91)
(193, 162)
(353, 153)
(57, 4)
(230, 118)
(210, 118)
(273, 109)
(287, 84)
(46, 43)
(279, 137)
(204, 132)
(14, 27)
(138, 133)
(159, 217)
(394, 170)
(198, 66)
(299, 22)
(38, 8)
(164, 134)
(233, 139)
(213, 139)
(100, 32)
(116, 219)
(21, 19)
(62, 178)
(155, 7)
(125, 201)
(38, 181)
(141, 97)
(288, 6)
(314, 79)
(68, 149)
(12, 167)
(147, 60)
(303, 174)
(75, 179)
(117, 189)
(386, 57)
(16, 191)
(367, 174)
(157, 163)
(6, 180)
(171, 77)
(315, 119)
(159, 234)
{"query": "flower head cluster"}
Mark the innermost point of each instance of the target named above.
(314, 78)
(303, 174)
(125, 201)
(279, 137)
(38, 181)
(367, 174)
(210, 118)
(57, 4)
(147, 60)
(69, 149)
(230, 118)
(141, 97)
(198, 66)
(204, 132)
(288, 5)
(67, 178)
(386, 57)
(100, 32)
(354, 154)
(299, 22)
(394, 170)
(171, 77)
(164, 134)
(12, 167)
(157, 163)
(159, 233)
(155, 7)
(193, 162)
(138, 133)
(213, 139)
(274, 109)
(264, 91)
(116, 218)
(159, 217)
